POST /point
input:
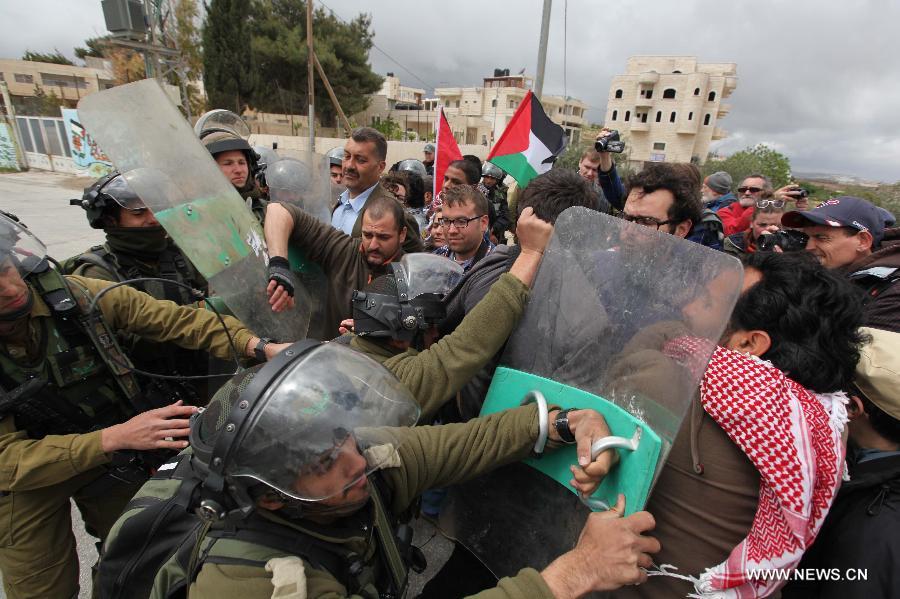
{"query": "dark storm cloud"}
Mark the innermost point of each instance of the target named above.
(819, 81)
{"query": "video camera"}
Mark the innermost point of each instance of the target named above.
(610, 143)
(788, 240)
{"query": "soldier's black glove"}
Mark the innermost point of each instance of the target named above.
(280, 272)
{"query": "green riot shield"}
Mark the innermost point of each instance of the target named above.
(167, 166)
(621, 319)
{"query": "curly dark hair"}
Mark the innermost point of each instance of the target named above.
(551, 193)
(811, 315)
(678, 180)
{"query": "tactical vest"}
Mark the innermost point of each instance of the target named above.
(159, 545)
(79, 382)
(148, 355)
(171, 265)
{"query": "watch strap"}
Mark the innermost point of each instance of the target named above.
(561, 424)
(259, 352)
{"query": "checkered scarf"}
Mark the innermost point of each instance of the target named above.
(793, 438)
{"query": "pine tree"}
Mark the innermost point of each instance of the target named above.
(227, 61)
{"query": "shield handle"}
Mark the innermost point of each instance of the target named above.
(601, 445)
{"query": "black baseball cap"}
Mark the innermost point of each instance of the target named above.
(843, 211)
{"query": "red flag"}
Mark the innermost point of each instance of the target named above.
(446, 152)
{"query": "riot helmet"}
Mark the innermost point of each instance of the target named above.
(21, 250)
(224, 131)
(336, 156)
(489, 169)
(281, 427)
(107, 194)
(413, 166)
(407, 302)
(287, 180)
(267, 156)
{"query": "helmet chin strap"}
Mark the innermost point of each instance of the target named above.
(21, 312)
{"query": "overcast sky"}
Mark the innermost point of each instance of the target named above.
(819, 81)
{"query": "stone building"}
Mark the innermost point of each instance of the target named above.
(69, 83)
(668, 107)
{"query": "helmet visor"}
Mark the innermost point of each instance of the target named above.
(428, 273)
(222, 120)
(123, 195)
(312, 434)
(20, 247)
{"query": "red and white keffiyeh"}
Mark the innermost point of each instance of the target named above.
(793, 437)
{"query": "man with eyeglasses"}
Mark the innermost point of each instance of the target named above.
(663, 197)
(847, 234)
(464, 221)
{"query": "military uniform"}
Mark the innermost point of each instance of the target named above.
(426, 457)
(50, 437)
(146, 252)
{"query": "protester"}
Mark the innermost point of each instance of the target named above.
(766, 219)
(464, 220)
(665, 197)
(724, 507)
(588, 165)
(717, 191)
(348, 263)
(364, 160)
(847, 234)
(861, 534)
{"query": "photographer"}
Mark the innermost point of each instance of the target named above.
(607, 177)
(847, 234)
(766, 219)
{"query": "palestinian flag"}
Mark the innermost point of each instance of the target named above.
(446, 151)
(530, 143)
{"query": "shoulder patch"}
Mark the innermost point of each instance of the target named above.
(382, 456)
(288, 577)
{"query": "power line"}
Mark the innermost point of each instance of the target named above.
(374, 45)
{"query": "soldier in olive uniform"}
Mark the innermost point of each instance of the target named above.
(73, 421)
(308, 465)
(137, 247)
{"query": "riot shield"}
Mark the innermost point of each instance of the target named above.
(621, 319)
(168, 167)
(304, 182)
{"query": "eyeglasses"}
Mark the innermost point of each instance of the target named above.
(773, 203)
(645, 221)
(750, 189)
(459, 223)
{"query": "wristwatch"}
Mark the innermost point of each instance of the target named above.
(259, 352)
(561, 424)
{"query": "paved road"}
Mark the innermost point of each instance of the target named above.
(41, 200)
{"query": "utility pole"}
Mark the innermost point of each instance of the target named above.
(542, 50)
(310, 61)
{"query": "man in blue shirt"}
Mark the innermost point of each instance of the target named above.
(364, 161)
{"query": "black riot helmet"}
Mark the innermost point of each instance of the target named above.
(106, 196)
(407, 302)
(271, 426)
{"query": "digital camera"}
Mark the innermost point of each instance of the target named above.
(610, 143)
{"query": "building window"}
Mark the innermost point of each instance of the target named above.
(512, 103)
(20, 78)
(627, 115)
(649, 94)
(644, 117)
(493, 102)
(2, 78)
(457, 104)
(615, 114)
(672, 117)
(690, 116)
(696, 91)
(618, 93)
(446, 103)
(669, 94)
(712, 96)
(706, 120)
(659, 116)
(659, 145)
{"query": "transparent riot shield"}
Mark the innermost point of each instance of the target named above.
(302, 180)
(167, 166)
(222, 120)
(622, 319)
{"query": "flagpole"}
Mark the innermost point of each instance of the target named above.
(542, 50)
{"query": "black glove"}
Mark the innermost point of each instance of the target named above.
(280, 272)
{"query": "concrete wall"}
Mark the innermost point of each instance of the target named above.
(397, 150)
